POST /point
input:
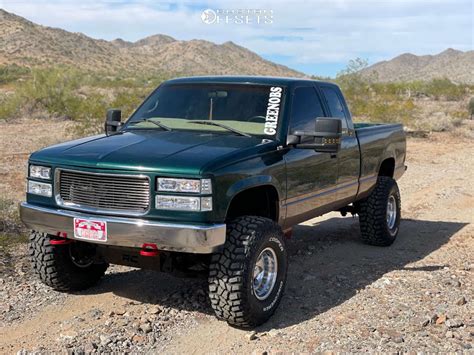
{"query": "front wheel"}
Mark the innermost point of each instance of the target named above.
(379, 214)
(247, 278)
(69, 267)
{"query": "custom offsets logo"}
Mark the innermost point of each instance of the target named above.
(237, 16)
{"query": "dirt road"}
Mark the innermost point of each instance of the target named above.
(341, 295)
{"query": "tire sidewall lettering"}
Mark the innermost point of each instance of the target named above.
(275, 299)
(272, 301)
(278, 242)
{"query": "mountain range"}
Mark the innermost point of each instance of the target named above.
(453, 64)
(23, 42)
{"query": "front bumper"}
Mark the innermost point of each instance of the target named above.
(129, 232)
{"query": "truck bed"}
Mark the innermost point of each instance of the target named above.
(377, 142)
(364, 125)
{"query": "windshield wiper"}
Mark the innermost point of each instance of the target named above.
(212, 123)
(156, 123)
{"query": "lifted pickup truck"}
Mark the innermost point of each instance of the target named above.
(207, 177)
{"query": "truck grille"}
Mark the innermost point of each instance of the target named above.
(104, 192)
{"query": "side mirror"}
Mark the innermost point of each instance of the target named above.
(326, 137)
(113, 121)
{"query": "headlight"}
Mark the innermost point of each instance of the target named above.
(40, 172)
(40, 188)
(203, 186)
(183, 203)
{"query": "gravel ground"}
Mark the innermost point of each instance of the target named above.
(132, 320)
(341, 295)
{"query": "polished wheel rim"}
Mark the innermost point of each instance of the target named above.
(265, 274)
(391, 212)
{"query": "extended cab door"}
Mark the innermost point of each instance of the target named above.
(348, 158)
(311, 176)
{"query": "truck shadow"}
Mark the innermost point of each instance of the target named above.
(327, 266)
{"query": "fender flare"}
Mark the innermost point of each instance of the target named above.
(252, 182)
(388, 153)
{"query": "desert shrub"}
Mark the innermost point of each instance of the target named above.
(77, 95)
(127, 80)
(9, 217)
(444, 88)
(438, 122)
(470, 107)
(12, 231)
(10, 105)
(53, 90)
(90, 114)
(92, 117)
(84, 96)
(370, 101)
(374, 101)
(11, 73)
(128, 100)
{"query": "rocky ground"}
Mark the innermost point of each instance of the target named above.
(341, 295)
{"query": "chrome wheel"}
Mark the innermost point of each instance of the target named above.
(265, 274)
(391, 212)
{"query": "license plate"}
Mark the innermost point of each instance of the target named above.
(90, 230)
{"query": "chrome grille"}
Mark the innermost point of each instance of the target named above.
(103, 192)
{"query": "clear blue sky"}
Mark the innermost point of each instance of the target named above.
(316, 37)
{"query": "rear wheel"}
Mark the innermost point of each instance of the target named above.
(247, 278)
(379, 214)
(67, 267)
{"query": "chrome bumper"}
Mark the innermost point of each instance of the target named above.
(129, 232)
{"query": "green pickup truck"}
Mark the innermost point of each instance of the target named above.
(206, 178)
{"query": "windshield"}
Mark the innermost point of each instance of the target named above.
(227, 108)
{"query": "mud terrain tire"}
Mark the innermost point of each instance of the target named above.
(379, 213)
(54, 265)
(247, 278)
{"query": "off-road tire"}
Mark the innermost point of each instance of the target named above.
(231, 272)
(54, 267)
(374, 228)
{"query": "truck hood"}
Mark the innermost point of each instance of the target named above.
(174, 152)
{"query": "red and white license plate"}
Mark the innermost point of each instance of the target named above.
(90, 230)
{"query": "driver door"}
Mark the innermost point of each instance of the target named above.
(311, 176)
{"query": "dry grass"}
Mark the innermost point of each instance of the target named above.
(11, 229)
(19, 139)
(442, 116)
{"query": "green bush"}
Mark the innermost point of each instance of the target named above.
(92, 116)
(9, 217)
(370, 101)
(53, 90)
(84, 96)
(128, 100)
(74, 94)
(11, 73)
(444, 88)
(10, 106)
(392, 102)
(471, 107)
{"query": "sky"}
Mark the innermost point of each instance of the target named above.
(313, 36)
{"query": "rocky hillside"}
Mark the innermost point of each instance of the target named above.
(25, 43)
(455, 65)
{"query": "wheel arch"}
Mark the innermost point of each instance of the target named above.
(258, 196)
(387, 167)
